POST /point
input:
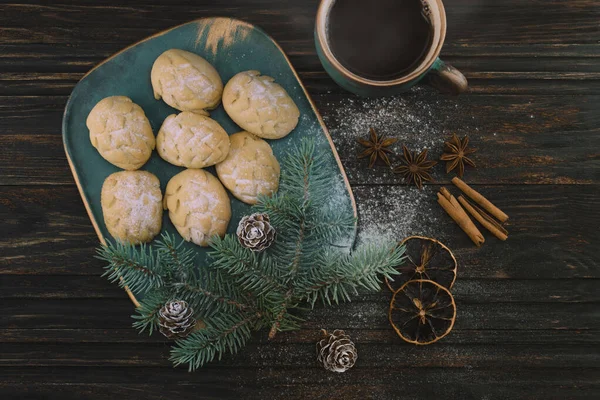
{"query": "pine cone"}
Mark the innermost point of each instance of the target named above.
(336, 351)
(176, 319)
(255, 232)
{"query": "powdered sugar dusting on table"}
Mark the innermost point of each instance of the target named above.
(411, 120)
(391, 211)
(396, 213)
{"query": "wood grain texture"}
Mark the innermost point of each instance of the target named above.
(115, 313)
(472, 290)
(544, 140)
(46, 231)
(528, 317)
(478, 21)
(318, 82)
(92, 336)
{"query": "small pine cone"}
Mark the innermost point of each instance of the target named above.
(176, 319)
(255, 232)
(336, 351)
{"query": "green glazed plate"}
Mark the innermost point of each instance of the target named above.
(231, 46)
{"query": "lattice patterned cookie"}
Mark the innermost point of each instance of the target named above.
(186, 81)
(250, 168)
(198, 205)
(191, 140)
(121, 133)
(259, 105)
(132, 206)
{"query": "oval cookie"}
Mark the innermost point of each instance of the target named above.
(191, 140)
(132, 206)
(250, 168)
(259, 105)
(198, 205)
(121, 133)
(186, 81)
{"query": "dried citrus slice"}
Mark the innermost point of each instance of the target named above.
(426, 258)
(422, 312)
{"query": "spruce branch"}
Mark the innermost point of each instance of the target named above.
(303, 176)
(295, 264)
(242, 291)
(178, 260)
(276, 325)
(253, 272)
(137, 269)
(222, 334)
(283, 210)
(338, 278)
(191, 292)
(146, 316)
(327, 226)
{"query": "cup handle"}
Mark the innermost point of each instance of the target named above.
(447, 79)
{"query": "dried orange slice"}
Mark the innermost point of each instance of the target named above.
(422, 312)
(426, 258)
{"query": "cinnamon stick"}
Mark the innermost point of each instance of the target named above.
(484, 219)
(456, 212)
(479, 199)
(445, 193)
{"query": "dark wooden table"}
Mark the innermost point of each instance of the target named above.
(529, 318)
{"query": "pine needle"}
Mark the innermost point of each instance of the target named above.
(242, 291)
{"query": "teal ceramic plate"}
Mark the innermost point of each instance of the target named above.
(231, 46)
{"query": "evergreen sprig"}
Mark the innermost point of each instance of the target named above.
(146, 316)
(138, 269)
(242, 291)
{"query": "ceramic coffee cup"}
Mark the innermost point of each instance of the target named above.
(444, 77)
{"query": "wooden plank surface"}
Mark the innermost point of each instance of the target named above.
(544, 140)
(528, 322)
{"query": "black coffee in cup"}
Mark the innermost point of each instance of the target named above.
(379, 39)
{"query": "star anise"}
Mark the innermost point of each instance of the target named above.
(456, 154)
(376, 147)
(415, 168)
